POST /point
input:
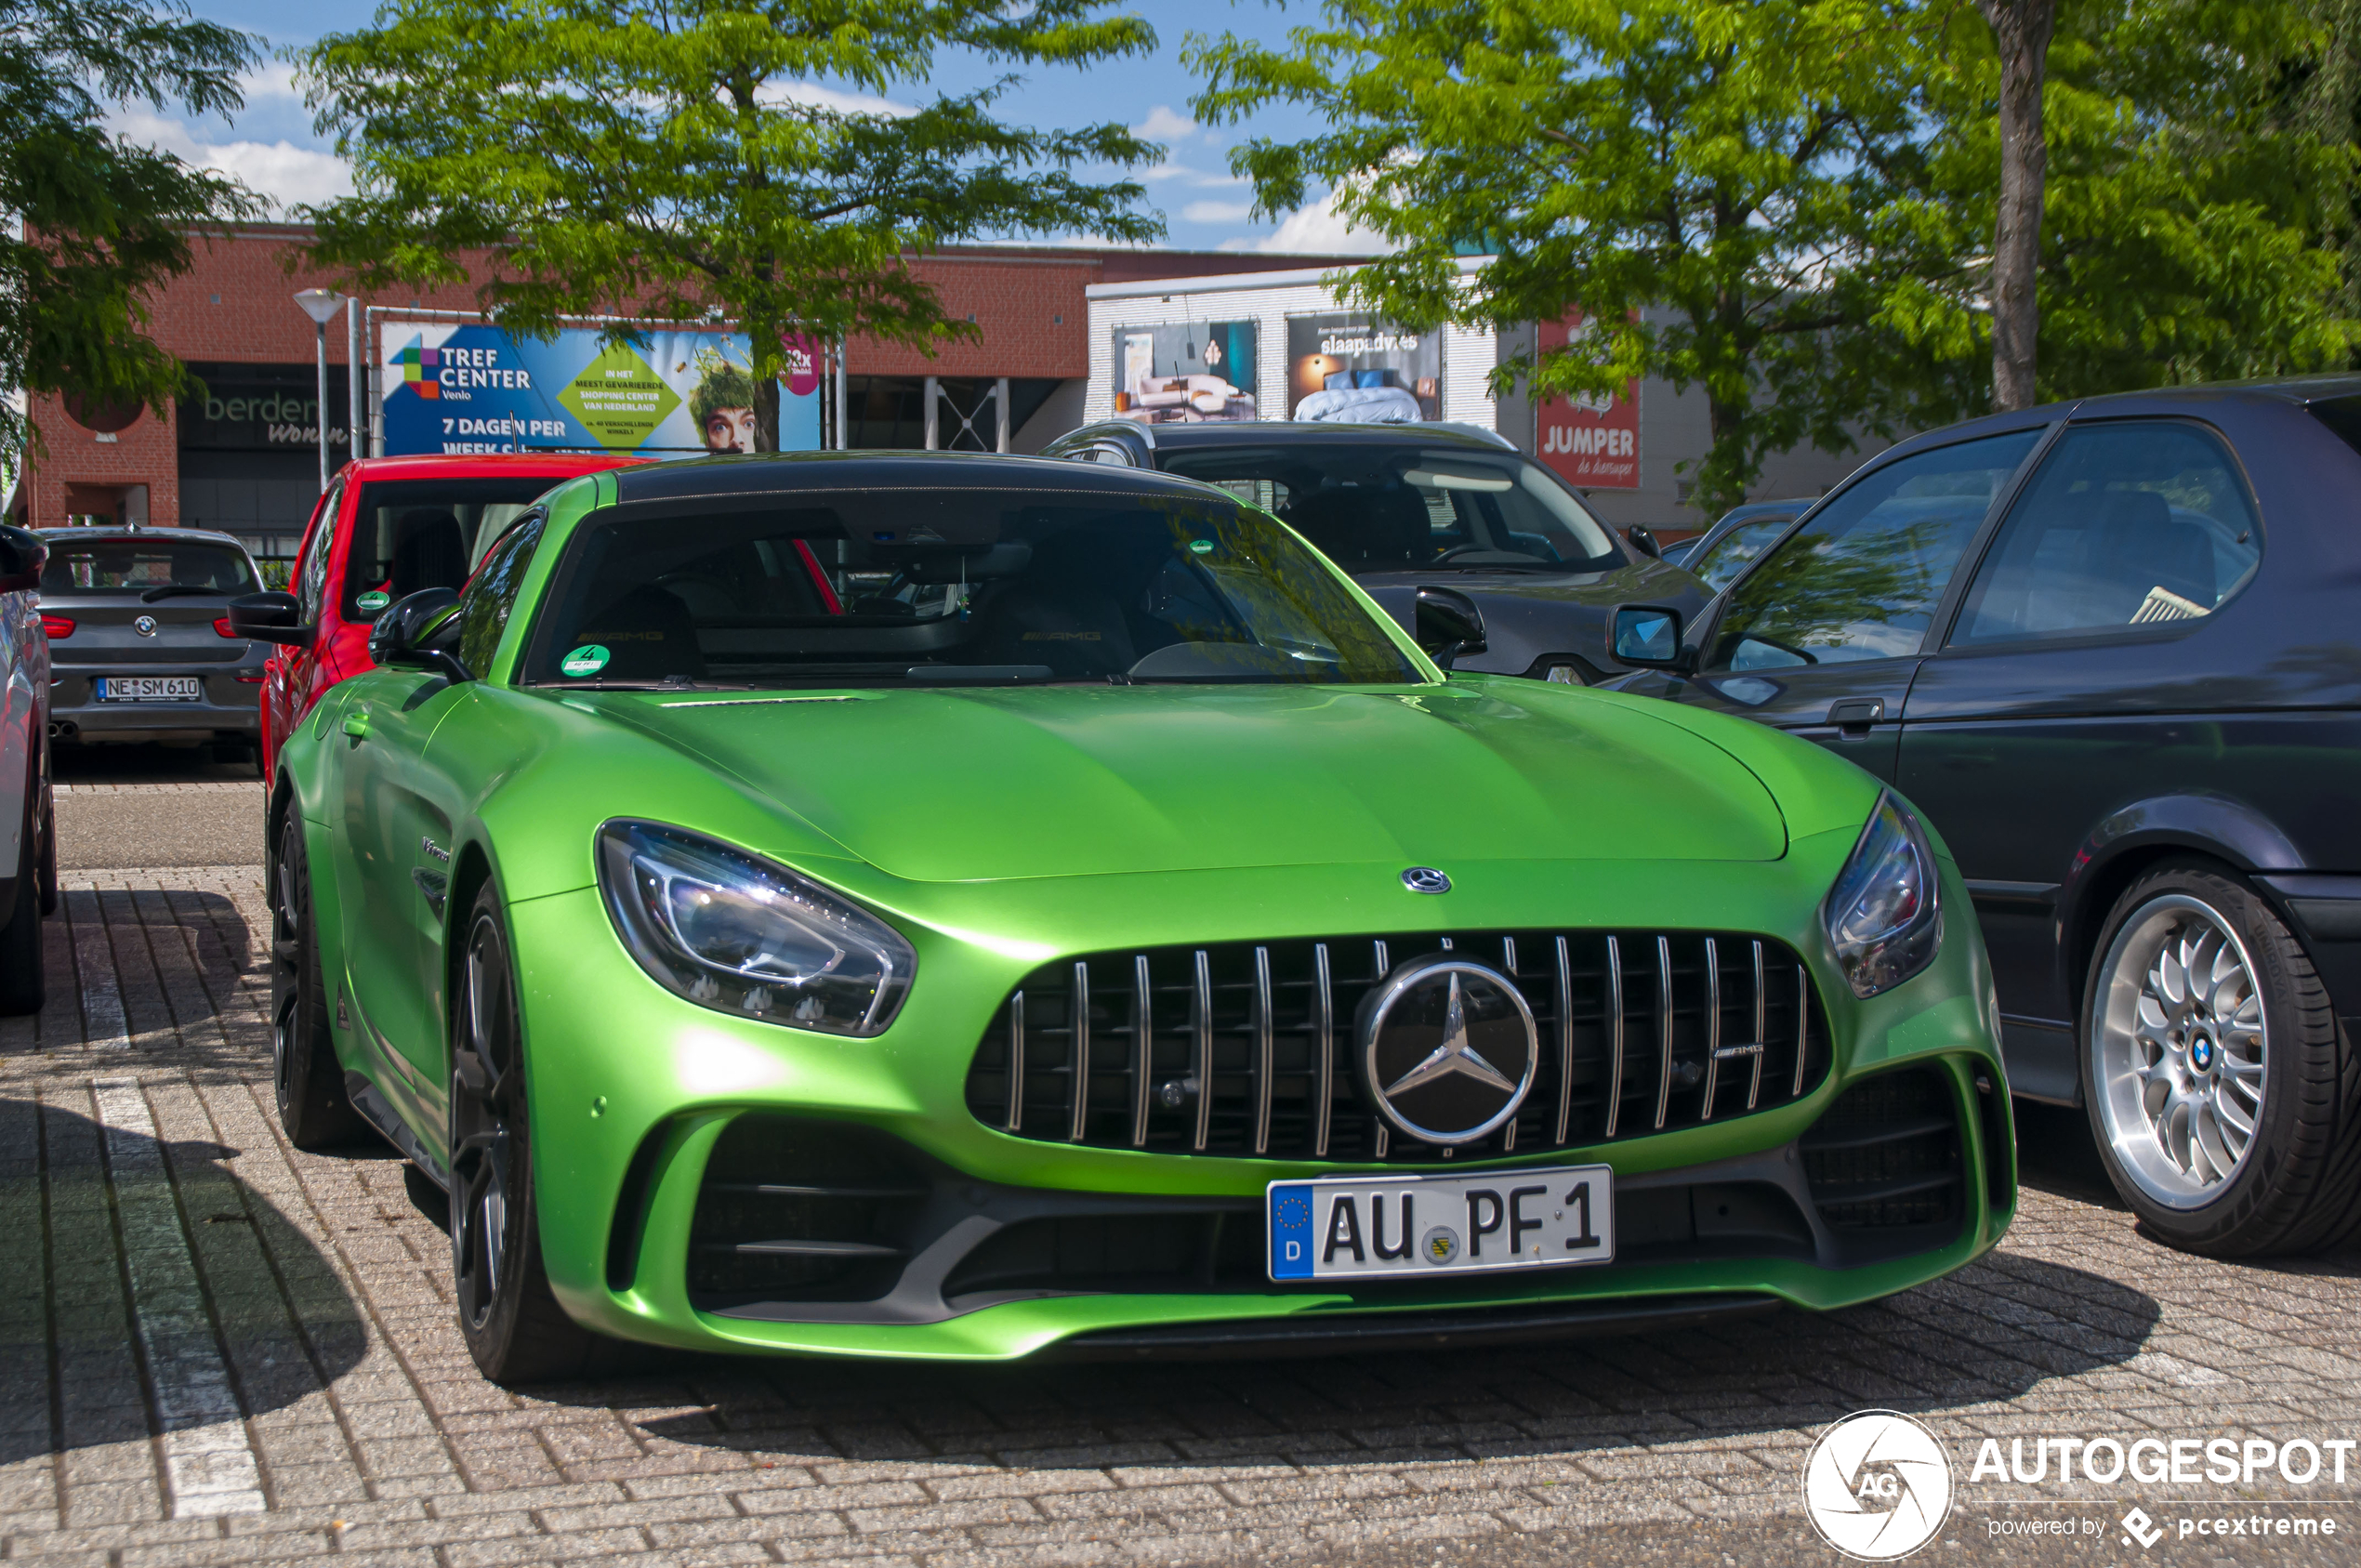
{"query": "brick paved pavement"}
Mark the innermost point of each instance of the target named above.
(215, 1349)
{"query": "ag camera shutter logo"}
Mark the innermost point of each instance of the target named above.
(1877, 1486)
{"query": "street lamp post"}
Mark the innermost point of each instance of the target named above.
(321, 305)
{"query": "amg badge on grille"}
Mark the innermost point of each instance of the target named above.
(1448, 1049)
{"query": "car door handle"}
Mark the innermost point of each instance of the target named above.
(1854, 716)
(356, 724)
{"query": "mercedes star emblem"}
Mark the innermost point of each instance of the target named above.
(1448, 1049)
(1426, 880)
(145, 626)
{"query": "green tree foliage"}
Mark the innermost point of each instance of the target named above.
(668, 157)
(94, 222)
(1791, 204)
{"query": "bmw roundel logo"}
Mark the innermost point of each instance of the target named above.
(145, 626)
(1447, 1049)
(1426, 880)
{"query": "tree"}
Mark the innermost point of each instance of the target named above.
(2021, 31)
(94, 222)
(672, 157)
(1692, 175)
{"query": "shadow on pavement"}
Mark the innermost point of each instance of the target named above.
(150, 1289)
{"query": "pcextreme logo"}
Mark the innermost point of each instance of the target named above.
(1877, 1486)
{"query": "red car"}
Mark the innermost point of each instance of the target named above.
(390, 526)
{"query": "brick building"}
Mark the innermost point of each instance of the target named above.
(243, 457)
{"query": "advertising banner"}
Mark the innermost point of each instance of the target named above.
(468, 387)
(1358, 369)
(1591, 442)
(1195, 373)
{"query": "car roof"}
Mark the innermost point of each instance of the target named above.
(489, 465)
(1306, 432)
(773, 472)
(2295, 391)
(143, 535)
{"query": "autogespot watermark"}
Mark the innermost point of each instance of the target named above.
(1878, 1486)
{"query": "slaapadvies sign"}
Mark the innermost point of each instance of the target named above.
(451, 388)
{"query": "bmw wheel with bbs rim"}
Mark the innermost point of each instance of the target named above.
(2226, 1101)
(512, 1323)
(309, 1079)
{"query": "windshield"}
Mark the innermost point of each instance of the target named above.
(118, 566)
(427, 534)
(969, 587)
(1402, 508)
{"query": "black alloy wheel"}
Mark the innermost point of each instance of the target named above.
(2224, 1098)
(513, 1326)
(313, 1107)
(22, 983)
(48, 849)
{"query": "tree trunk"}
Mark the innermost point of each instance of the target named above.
(766, 410)
(2020, 28)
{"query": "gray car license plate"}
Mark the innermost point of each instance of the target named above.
(149, 689)
(1363, 1226)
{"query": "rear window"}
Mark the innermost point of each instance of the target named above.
(2343, 416)
(427, 534)
(117, 566)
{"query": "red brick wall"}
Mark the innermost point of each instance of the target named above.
(237, 305)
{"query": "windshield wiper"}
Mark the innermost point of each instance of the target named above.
(173, 590)
(669, 683)
(979, 675)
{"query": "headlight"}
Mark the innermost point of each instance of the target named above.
(1881, 915)
(740, 935)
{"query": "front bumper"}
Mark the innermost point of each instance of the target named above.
(654, 1117)
(229, 702)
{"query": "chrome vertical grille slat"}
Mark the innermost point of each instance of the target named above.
(1244, 1048)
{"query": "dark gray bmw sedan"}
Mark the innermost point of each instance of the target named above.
(139, 641)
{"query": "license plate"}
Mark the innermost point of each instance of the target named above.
(1362, 1227)
(149, 689)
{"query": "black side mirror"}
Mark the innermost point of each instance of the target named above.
(1648, 636)
(269, 617)
(420, 631)
(1643, 541)
(1449, 625)
(22, 555)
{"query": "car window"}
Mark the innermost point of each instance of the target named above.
(492, 592)
(1727, 556)
(310, 577)
(427, 534)
(2133, 524)
(1398, 509)
(1862, 578)
(977, 586)
(83, 567)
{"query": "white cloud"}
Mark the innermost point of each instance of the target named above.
(1217, 212)
(1188, 175)
(1164, 124)
(280, 170)
(275, 78)
(817, 97)
(1316, 229)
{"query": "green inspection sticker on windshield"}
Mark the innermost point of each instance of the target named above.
(1201, 547)
(374, 600)
(589, 659)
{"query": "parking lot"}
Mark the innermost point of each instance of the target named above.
(220, 1350)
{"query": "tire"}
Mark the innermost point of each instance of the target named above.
(23, 981)
(48, 852)
(2225, 1100)
(313, 1107)
(513, 1326)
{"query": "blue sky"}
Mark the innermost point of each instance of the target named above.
(274, 147)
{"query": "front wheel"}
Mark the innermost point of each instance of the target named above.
(2225, 1100)
(513, 1326)
(23, 982)
(313, 1107)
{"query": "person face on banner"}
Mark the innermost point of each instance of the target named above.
(723, 406)
(730, 429)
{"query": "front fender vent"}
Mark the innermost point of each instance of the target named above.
(1245, 1049)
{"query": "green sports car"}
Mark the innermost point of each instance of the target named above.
(954, 906)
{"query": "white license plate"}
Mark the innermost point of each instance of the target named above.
(149, 689)
(1360, 1226)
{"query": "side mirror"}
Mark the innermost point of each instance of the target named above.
(420, 631)
(1449, 625)
(22, 555)
(269, 617)
(1643, 541)
(1648, 636)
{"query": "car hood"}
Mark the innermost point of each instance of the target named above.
(1529, 614)
(962, 784)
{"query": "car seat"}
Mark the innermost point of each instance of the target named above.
(2140, 546)
(648, 634)
(1365, 528)
(430, 551)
